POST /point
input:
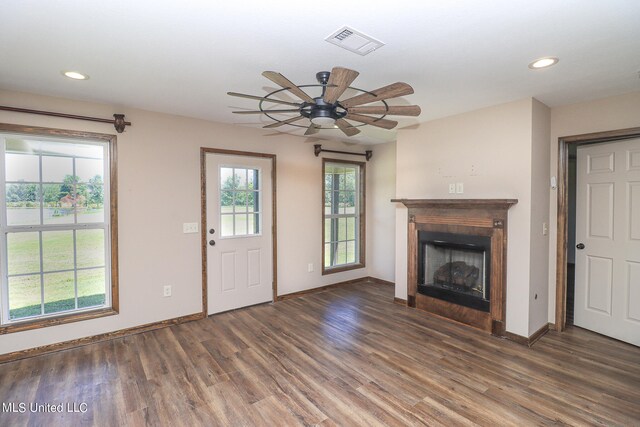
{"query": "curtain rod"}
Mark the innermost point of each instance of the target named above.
(317, 149)
(118, 119)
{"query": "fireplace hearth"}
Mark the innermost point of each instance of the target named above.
(457, 259)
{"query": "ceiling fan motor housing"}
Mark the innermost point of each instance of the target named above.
(323, 113)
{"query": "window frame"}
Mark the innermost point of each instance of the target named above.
(361, 230)
(111, 254)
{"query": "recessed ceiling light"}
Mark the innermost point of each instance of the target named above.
(543, 62)
(75, 75)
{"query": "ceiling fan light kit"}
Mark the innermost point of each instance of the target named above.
(327, 111)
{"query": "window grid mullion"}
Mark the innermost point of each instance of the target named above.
(75, 191)
(41, 275)
(75, 267)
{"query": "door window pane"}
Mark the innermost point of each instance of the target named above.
(226, 179)
(226, 222)
(252, 225)
(241, 225)
(240, 178)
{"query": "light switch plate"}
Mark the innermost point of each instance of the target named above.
(190, 227)
(459, 187)
(452, 188)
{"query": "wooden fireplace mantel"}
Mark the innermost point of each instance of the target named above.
(478, 217)
(458, 203)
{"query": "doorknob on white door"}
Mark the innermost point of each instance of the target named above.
(580, 246)
(212, 242)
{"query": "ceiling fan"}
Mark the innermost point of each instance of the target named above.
(327, 111)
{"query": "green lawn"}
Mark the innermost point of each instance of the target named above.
(25, 295)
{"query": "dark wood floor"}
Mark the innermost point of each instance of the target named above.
(347, 356)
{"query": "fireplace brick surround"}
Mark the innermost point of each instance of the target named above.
(470, 217)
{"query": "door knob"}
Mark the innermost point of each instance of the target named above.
(580, 246)
(212, 242)
(211, 231)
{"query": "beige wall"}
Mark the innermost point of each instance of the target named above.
(540, 189)
(161, 152)
(618, 112)
(490, 151)
(381, 182)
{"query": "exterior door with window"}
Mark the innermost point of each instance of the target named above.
(607, 295)
(239, 231)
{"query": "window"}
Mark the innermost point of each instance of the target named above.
(56, 229)
(239, 201)
(344, 219)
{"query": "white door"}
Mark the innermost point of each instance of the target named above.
(607, 295)
(239, 231)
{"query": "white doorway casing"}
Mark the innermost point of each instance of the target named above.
(607, 294)
(240, 268)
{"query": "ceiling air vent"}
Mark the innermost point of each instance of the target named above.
(354, 41)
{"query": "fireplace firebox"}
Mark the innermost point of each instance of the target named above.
(455, 268)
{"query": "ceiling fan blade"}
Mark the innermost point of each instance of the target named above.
(281, 80)
(373, 121)
(312, 129)
(394, 110)
(393, 90)
(283, 122)
(347, 128)
(262, 98)
(267, 111)
(339, 80)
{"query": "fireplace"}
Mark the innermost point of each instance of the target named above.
(456, 259)
(455, 268)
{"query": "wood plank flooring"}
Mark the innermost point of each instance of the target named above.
(346, 356)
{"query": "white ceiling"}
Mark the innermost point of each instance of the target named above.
(182, 57)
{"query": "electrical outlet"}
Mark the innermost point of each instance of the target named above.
(190, 227)
(452, 188)
(459, 187)
(545, 229)
(310, 267)
(167, 291)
